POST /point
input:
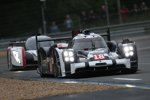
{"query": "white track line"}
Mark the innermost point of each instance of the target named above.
(127, 79)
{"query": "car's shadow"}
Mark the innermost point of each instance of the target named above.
(83, 75)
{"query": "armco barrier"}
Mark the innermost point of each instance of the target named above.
(121, 29)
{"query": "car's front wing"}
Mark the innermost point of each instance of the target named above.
(98, 64)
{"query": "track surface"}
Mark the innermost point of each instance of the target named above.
(137, 81)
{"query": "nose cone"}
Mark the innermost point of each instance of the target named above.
(99, 51)
(103, 51)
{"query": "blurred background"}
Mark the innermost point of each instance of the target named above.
(27, 17)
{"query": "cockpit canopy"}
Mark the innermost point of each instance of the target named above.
(88, 43)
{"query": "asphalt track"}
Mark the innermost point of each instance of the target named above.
(138, 85)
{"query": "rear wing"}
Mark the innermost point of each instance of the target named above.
(52, 39)
(55, 39)
(16, 43)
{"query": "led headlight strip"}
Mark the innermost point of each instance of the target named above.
(128, 50)
(68, 56)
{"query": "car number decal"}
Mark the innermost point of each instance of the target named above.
(99, 56)
(16, 56)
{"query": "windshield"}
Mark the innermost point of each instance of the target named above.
(89, 43)
(31, 43)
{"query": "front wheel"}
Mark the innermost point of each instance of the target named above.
(129, 71)
(56, 65)
(133, 69)
(41, 73)
(55, 71)
(134, 65)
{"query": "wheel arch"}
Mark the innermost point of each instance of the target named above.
(59, 54)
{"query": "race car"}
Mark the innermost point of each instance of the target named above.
(87, 51)
(23, 54)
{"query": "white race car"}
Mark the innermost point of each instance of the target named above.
(23, 54)
(87, 51)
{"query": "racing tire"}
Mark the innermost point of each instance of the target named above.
(56, 66)
(55, 71)
(40, 67)
(10, 66)
(129, 71)
(134, 66)
(132, 70)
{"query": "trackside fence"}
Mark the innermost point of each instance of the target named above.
(121, 29)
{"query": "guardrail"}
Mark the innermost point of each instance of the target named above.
(121, 29)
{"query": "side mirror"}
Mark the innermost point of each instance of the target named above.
(112, 46)
(62, 45)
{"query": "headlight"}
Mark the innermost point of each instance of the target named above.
(70, 53)
(71, 59)
(66, 59)
(128, 50)
(127, 54)
(65, 53)
(131, 53)
(68, 56)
